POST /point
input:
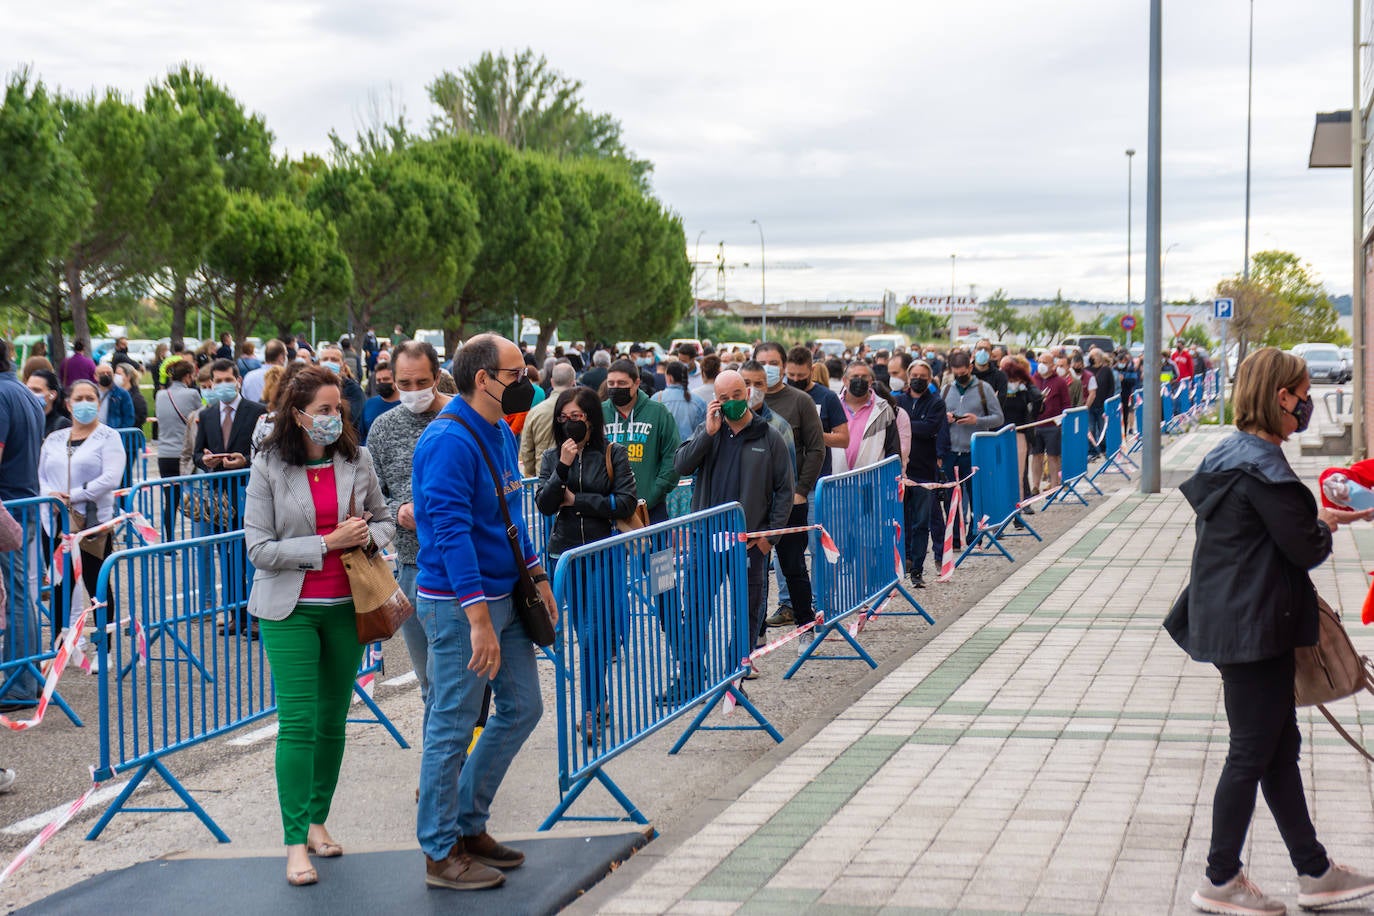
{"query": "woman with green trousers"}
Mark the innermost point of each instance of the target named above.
(312, 493)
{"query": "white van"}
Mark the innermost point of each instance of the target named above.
(888, 342)
(831, 346)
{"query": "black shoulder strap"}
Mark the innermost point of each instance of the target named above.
(512, 533)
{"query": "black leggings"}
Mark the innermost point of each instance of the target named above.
(1264, 752)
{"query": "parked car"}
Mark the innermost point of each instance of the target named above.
(831, 346)
(1085, 344)
(888, 342)
(1323, 361)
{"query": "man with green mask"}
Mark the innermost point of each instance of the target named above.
(737, 457)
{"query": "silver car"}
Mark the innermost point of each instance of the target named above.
(1323, 361)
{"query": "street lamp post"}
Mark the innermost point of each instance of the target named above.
(1130, 201)
(696, 287)
(763, 283)
(1150, 458)
(1357, 291)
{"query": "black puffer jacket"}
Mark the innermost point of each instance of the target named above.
(597, 501)
(1250, 597)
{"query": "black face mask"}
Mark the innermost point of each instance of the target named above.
(621, 396)
(1302, 412)
(802, 385)
(105, 381)
(517, 397)
(386, 389)
(576, 430)
(858, 386)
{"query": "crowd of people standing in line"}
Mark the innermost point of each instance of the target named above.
(605, 434)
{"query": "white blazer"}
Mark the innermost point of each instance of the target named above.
(279, 525)
(96, 470)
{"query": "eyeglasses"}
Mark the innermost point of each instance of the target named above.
(498, 370)
(568, 418)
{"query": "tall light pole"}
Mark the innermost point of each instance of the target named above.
(763, 283)
(952, 259)
(1130, 200)
(696, 284)
(1357, 292)
(1150, 459)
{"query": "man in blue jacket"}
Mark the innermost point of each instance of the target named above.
(466, 575)
(922, 511)
(116, 405)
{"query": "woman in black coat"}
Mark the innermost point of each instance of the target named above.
(1249, 604)
(586, 501)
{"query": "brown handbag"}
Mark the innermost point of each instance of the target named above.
(1331, 670)
(640, 517)
(379, 605)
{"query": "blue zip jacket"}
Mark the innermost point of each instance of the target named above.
(464, 553)
(120, 412)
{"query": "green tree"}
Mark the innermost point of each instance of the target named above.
(525, 103)
(1053, 321)
(409, 232)
(1282, 304)
(43, 196)
(156, 186)
(271, 255)
(242, 146)
(996, 314)
(921, 324)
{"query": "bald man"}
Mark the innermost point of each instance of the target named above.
(737, 457)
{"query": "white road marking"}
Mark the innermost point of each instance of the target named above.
(400, 680)
(253, 737)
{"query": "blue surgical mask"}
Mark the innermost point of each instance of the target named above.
(644, 363)
(930, 354)
(772, 375)
(225, 392)
(334, 367)
(208, 396)
(981, 357)
(85, 411)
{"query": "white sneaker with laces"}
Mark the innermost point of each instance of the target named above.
(1340, 884)
(1237, 896)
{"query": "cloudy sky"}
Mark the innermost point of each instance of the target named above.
(871, 140)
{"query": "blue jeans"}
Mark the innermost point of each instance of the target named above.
(413, 632)
(1097, 419)
(455, 701)
(23, 633)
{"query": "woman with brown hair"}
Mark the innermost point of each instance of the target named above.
(1249, 605)
(312, 494)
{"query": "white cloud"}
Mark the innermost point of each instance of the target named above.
(871, 139)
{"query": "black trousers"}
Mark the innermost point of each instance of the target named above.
(171, 497)
(1265, 742)
(791, 549)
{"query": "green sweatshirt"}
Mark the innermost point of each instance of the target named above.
(650, 435)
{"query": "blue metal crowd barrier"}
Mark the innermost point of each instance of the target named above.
(679, 503)
(180, 508)
(653, 623)
(37, 606)
(861, 510)
(135, 456)
(996, 495)
(1074, 456)
(1113, 440)
(173, 670)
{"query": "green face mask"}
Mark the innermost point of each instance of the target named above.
(733, 410)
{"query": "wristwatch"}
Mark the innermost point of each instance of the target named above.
(324, 546)
(542, 577)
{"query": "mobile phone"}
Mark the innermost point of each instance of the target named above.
(220, 455)
(960, 416)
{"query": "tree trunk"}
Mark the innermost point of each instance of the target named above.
(541, 347)
(57, 347)
(179, 311)
(240, 322)
(76, 297)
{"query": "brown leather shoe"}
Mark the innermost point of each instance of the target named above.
(483, 848)
(457, 871)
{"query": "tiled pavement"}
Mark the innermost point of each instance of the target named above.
(1051, 751)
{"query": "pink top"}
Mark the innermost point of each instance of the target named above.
(331, 582)
(858, 422)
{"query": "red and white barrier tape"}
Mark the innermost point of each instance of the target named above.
(832, 553)
(54, 673)
(1038, 497)
(48, 832)
(1056, 420)
(69, 543)
(953, 521)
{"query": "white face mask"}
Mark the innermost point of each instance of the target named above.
(897, 384)
(1061, 371)
(417, 401)
(756, 396)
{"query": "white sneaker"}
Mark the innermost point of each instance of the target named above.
(1339, 885)
(7, 778)
(1237, 896)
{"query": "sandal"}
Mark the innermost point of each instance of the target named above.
(324, 850)
(302, 878)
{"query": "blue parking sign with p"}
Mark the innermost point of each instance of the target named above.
(1223, 309)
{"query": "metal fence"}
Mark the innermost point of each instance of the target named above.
(996, 495)
(861, 510)
(1113, 441)
(180, 508)
(1074, 456)
(37, 605)
(135, 456)
(653, 623)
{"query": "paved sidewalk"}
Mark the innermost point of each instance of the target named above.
(1051, 751)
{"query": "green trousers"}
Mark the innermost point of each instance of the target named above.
(314, 654)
